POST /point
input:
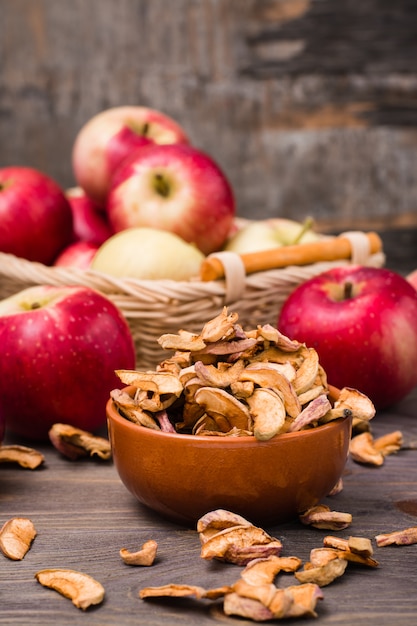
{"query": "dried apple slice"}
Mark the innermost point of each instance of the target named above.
(23, 456)
(268, 413)
(145, 556)
(80, 588)
(16, 537)
(74, 442)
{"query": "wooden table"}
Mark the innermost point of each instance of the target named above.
(84, 515)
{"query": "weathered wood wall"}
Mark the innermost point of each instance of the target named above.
(310, 106)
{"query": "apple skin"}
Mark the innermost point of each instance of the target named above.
(78, 254)
(266, 234)
(148, 254)
(177, 188)
(2, 426)
(110, 136)
(89, 220)
(367, 341)
(35, 216)
(60, 347)
(412, 278)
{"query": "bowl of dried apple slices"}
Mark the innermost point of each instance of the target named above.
(238, 419)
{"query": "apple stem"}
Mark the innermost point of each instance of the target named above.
(161, 186)
(348, 290)
(306, 225)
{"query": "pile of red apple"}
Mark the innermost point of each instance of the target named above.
(133, 167)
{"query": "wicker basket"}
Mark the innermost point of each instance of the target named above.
(154, 307)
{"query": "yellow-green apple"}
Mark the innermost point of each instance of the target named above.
(362, 322)
(78, 254)
(177, 188)
(270, 233)
(111, 135)
(60, 348)
(35, 216)
(148, 253)
(89, 220)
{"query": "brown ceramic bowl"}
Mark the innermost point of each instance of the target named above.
(182, 477)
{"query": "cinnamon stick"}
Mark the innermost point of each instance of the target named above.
(331, 249)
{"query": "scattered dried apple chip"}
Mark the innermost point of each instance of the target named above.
(16, 537)
(217, 520)
(355, 549)
(365, 449)
(240, 544)
(29, 458)
(390, 443)
(228, 537)
(263, 571)
(74, 442)
(362, 450)
(324, 574)
(80, 588)
(360, 545)
(404, 537)
(145, 556)
(321, 556)
(173, 590)
(322, 517)
(270, 602)
(305, 598)
(239, 606)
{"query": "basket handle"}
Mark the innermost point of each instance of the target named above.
(354, 245)
(233, 271)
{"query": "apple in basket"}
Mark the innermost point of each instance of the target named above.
(79, 254)
(108, 137)
(258, 235)
(90, 221)
(362, 322)
(176, 188)
(148, 254)
(60, 348)
(35, 216)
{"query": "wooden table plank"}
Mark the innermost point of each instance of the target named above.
(84, 515)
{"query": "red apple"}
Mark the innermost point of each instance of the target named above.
(111, 135)
(412, 278)
(362, 322)
(90, 220)
(35, 216)
(60, 347)
(176, 188)
(79, 254)
(2, 427)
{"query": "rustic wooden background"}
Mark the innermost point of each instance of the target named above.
(310, 106)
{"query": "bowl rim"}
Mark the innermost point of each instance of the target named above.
(114, 415)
